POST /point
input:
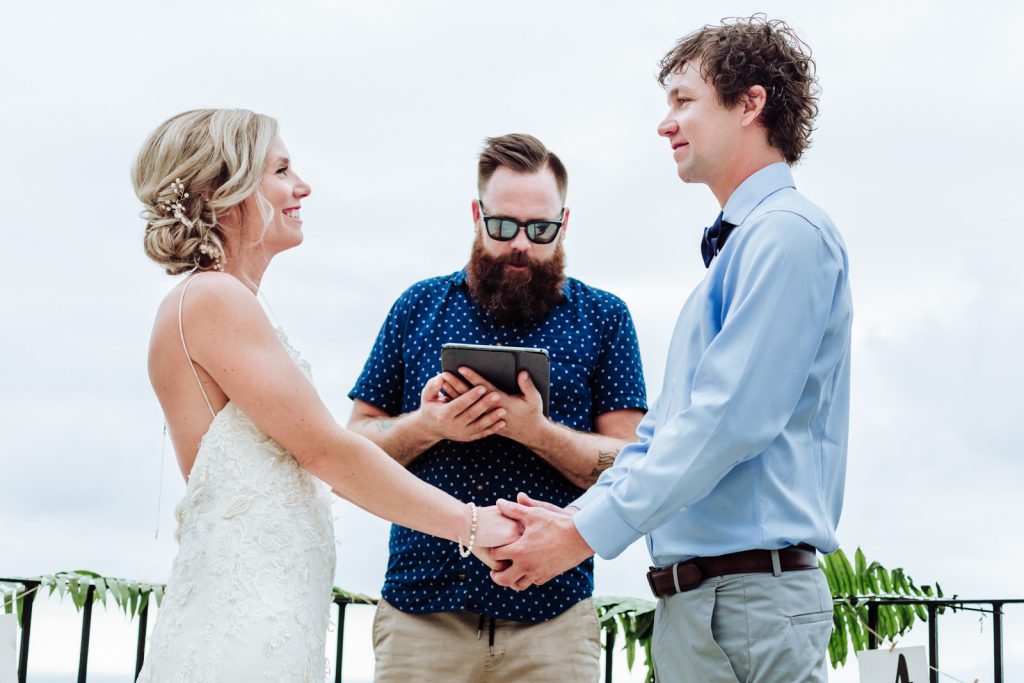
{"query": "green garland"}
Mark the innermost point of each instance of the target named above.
(131, 596)
(851, 586)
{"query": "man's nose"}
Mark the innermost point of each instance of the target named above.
(521, 242)
(667, 127)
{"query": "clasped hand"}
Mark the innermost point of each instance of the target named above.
(547, 546)
(466, 416)
(523, 413)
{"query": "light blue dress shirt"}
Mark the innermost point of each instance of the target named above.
(745, 447)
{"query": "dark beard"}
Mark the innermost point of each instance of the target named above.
(515, 296)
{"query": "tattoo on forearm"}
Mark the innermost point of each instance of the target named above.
(605, 459)
(385, 425)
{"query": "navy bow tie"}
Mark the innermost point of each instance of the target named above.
(714, 239)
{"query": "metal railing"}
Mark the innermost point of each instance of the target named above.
(31, 590)
(934, 606)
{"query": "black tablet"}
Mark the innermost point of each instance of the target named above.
(500, 365)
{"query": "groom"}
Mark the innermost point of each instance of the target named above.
(737, 476)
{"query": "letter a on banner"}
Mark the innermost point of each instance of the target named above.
(904, 665)
(902, 675)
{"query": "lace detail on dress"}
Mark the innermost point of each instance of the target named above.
(249, 594)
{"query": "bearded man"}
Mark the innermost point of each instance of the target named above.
(441, 617)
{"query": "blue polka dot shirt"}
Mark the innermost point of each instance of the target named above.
(595, 369)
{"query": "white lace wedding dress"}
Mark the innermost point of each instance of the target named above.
(249, 594)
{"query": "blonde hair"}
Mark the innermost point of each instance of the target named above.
(219, 156)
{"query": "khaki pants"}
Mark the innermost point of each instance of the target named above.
(449, 647)
(745, 628)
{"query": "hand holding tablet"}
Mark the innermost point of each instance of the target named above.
(501, 365)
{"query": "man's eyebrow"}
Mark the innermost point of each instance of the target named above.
(677, 90)
(281, 161)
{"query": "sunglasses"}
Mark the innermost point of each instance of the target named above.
(503, 229)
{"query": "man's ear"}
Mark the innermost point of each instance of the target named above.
(477, 212)
(753, 103)
(565, 221)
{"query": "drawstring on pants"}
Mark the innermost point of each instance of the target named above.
(490, 631)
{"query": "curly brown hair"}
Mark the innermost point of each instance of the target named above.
(746, 51)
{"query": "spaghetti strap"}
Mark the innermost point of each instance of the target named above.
(191, 363)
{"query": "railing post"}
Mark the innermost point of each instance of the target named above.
(26, 628)
(933, 642)
(140, 648)
(609, 643)
(872, 625)
(997, 639)
(83, 656)
(341, 641)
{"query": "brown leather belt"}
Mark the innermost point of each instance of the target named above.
(684, 576)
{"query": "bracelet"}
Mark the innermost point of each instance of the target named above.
(467, 550)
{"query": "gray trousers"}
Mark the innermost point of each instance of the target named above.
(745, 628)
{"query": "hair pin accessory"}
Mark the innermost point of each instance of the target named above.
(175, 207)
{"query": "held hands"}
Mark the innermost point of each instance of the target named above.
(464, 416)
(524, 414)
(494, 529)
(549, 545)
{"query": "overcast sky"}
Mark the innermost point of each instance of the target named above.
(384, 106)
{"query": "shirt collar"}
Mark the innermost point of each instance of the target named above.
(755, 189)
(458, 279)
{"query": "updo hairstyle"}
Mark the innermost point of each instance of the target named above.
(192, 168)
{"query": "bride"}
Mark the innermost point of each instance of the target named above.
(250, 588)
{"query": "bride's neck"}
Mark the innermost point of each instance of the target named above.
(248, 266)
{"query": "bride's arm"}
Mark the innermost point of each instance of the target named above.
(230, 337)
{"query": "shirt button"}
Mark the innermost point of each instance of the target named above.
(479, 487)
(460, 576)
(497, 343)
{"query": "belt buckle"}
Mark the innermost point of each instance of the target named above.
(686, 576)
(650, 581)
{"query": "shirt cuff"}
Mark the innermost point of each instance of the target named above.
(602, 527)
(588, 497)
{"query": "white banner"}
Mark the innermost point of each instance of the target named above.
(902, 665)
(8, 654)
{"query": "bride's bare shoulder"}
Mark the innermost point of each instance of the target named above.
(209, 292)
(213, 300)
(207, 288)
